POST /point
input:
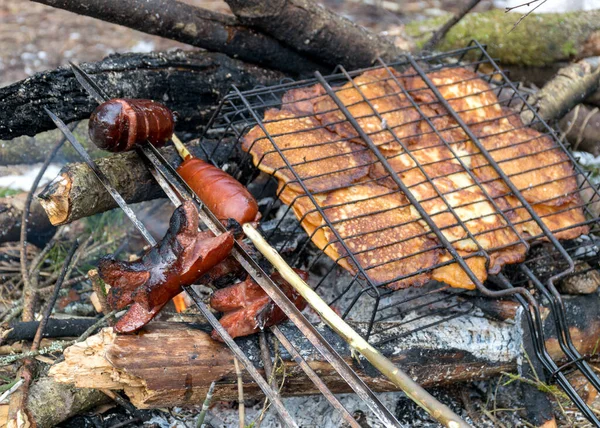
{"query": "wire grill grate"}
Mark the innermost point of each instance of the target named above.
(450, 181)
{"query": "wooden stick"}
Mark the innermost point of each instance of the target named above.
(205, 405)
(439, 34)
(437, 410)
(240, 385)
(183, 152)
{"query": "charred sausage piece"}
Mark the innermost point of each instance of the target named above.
(119, 124)
(183, 256)
(249, 309)
(136, 317)
(223, 195)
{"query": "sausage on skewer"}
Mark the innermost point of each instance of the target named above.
(119, 124)
(223, 195)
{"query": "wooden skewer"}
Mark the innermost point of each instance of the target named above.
(183, 152)
(436, 409)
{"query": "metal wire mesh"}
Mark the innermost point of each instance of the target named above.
(409, 177)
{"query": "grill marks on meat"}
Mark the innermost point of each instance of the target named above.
(368, 97)
(249, 309)
(319, 158)
(443, 169)
(183, 256)
(380, 228)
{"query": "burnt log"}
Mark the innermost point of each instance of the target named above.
(195, 26)
(190, 83)
(315, 31)
(76, 192)
(173, 364)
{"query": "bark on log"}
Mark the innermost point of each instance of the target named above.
(191, 83)
(539, 40)
(39, 229)
(315, 31)
(76, 192)
(570, 86)
(51, 403)
(173, 364)
(195, 26)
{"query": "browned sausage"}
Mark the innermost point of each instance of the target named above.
(183, 256)
(118, 125)
(248, 308)
(222, 194)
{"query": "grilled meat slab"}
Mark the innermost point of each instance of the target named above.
(443, 169)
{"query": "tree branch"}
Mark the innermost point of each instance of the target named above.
(191, 83)
(195, 26)
(315, 31)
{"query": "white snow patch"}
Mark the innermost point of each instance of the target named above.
(25, 180)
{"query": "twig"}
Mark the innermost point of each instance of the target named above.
(28, 291)
(39, 259)
(12, 389)
(240, 385)
(55, 346)
(265, 356)
(525, 15)
(119, 400)
(529, 3)
(50, 306)
(413, 390)
(17, 409)
(205, 405)
(439, 34)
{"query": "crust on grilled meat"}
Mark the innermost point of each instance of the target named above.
(389, 109)
(461, 193)
(537, 167)
(466, 92)
(533, 162)
(319, 158)
(455, 276)
(381, 228)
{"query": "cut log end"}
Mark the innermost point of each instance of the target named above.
(55, 199)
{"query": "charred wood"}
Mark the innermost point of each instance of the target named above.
(72, 327)
(315, 31)
(76, 193)
(195, 26)
(190, 83)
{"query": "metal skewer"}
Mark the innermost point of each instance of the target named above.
(103, 178)
(173, 179)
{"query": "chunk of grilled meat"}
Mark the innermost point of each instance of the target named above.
(432, 155)
(183, 256)
(249, 309)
